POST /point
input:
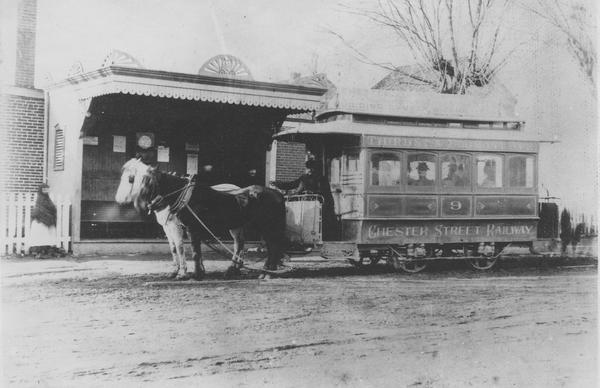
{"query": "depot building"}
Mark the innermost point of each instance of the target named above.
(98, 120)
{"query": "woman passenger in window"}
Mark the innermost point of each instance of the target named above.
(489, 175)
(422, 179)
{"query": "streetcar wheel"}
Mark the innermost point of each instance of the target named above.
(482, 263)
(411, 266)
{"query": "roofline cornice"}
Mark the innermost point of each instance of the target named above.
(187, 78)
(449, 118)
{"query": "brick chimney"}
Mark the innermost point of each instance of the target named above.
(26, 24)
(22, 110)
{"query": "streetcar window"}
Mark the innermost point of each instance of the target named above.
(351, 172)
(334, 171)
(520, 171)
(489, 171)
(352, 162)
(421, 170)
(456, 170)
(385, 169)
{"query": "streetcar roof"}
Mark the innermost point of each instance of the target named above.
(479, 104)
(345, 127)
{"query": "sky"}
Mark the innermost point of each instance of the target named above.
(275, 38)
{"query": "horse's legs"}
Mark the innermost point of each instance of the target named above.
(173, 251)
(199, 270)
(273, 234)
(238, 246)
(175, 231)
(276, 245)
(275, 248)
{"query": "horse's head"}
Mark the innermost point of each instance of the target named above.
(149, 191)
(132, 174)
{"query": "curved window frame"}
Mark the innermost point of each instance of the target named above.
(384, 189)
(524, 189)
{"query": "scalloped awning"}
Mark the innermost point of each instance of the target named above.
(122, 80)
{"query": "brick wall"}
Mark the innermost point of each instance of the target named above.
(290, 160)
(26, 25)
(22, 138)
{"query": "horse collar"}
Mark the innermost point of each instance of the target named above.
(184, 197)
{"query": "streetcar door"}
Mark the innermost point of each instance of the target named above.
(351, 185)
(335, 173)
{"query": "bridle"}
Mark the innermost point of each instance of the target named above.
(133, 171)
(156, 201)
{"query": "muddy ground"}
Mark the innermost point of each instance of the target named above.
(120, 322)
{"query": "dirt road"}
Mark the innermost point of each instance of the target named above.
(110, 322)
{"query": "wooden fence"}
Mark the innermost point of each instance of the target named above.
(15, 222)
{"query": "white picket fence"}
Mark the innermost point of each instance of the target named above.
(15, 222)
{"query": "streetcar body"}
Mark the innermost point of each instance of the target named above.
(415, 190)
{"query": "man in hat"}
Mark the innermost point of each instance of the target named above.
(309, 182)
(206, 176)
(251, 178)
(422, 180)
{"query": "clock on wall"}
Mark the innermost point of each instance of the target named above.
(145, 140)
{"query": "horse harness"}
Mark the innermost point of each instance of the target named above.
(185, 193)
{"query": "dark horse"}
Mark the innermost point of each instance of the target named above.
(261, 207)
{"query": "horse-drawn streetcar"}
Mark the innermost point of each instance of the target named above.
(411, 190)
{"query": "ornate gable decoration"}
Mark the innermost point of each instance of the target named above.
(76, 69)
(120, 58)
(317, 80)
(226, 66)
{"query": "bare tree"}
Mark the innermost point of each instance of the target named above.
(577, 24)
(457, 41)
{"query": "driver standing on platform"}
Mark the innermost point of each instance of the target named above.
(309, 182)
(313, 182)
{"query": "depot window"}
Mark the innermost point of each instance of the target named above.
(385, 169)
(59, 149)
(520, 171)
